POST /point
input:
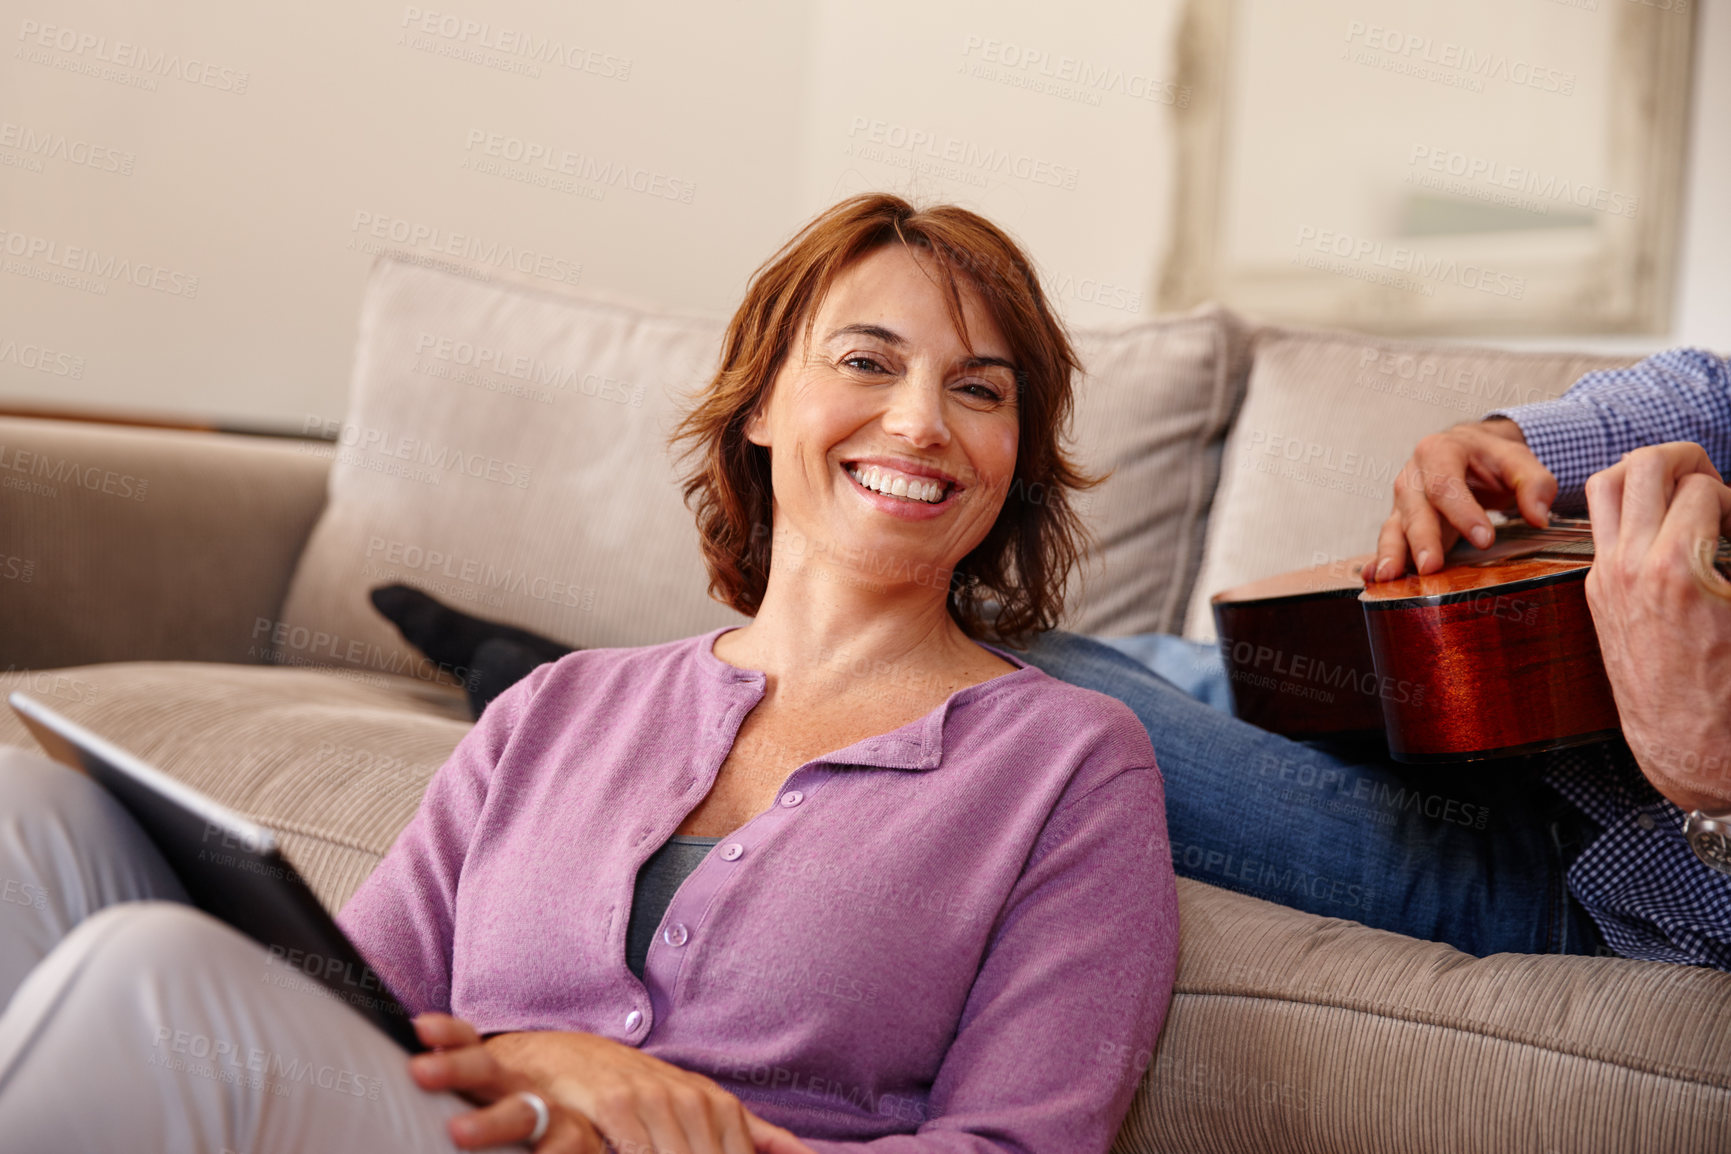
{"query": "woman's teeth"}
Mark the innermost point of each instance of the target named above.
(878, 480)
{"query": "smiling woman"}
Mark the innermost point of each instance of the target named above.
(965, 285)
(845, 875)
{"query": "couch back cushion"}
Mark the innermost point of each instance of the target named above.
(1153, 407)
(506, 450)
(1327, 423)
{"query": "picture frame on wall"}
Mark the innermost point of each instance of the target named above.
(1479, 167)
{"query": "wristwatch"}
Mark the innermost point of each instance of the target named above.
(1709, 835)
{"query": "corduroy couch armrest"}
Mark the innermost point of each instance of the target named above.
(1292, 1032)
(123, 544)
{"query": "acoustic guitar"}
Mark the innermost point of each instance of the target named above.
(1494, 655)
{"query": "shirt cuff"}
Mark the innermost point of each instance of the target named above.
(1568, 439)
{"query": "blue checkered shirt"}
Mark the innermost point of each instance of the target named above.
(1647, 892)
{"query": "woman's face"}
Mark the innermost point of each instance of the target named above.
(891, 444)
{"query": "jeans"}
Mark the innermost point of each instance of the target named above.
(1473, 855)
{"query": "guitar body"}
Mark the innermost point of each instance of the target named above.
(1297, 653)
(1489, 661)
(1494, 655)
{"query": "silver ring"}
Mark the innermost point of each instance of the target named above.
(543, 1116)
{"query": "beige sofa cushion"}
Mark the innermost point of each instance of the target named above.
(505, 450)
(1327, 423)
(334, 760)
(118, 544)
(1293, 1032)
(1288, 1032)
(1153, 409)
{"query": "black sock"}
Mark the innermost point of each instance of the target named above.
(498, 664)
(488, 657)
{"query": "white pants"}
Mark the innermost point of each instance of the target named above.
(134, 1022)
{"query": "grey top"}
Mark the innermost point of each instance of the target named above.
(662, 875)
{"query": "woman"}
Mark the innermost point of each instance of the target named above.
(939, 901)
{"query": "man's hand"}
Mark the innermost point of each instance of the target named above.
(1663, 616)
(639, 1103)
(460, 1063)
(1444, 490)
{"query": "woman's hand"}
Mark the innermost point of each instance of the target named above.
(638, 1103)
(461, 1063)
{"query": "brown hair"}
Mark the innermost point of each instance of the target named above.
(1025, 560)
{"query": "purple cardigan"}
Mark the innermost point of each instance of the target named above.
(962, 932)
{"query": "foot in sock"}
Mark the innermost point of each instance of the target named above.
(487, 656)
(498, 664)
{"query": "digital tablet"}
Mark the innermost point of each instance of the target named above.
(231, 868)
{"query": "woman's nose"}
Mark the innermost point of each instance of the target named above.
(916, 411)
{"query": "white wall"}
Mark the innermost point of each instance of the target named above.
(1703, 313)
(353, 114)
(1052, 118)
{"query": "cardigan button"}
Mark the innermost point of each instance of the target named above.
(792, 798)
(675, 935)
(731, 851)
(633, 1020)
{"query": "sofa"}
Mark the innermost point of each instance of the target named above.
(201, 599)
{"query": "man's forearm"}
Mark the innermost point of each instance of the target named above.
(1677, 395)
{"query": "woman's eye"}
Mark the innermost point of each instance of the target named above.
(864, 364)
(984, 391)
